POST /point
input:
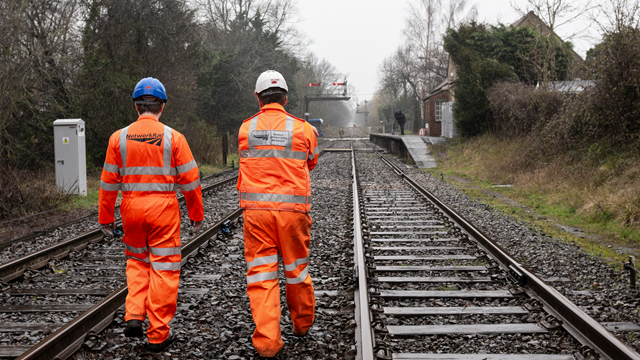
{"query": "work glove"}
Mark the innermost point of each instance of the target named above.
(196, 226)
(107, 229)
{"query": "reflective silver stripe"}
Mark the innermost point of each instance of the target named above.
(289, 127)
(186, 167)
(166, 155)
(303, 276)
(296, 263)
(165, 251)
(252, 127)
(109, 187)
(148, 170)
(273, 153)
(190, 186)
(110, 168)
(149, 187)
(294, 199)
(315, 152)
(145, 260)
(135, 250)
(123, 146)
(271, 259)
(262, 277)
(165, 266)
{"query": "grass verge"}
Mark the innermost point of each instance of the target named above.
(93, 184)
(232, 159)
(593, 204)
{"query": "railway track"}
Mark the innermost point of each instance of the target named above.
(83, 279)
(438, 288)
(44, 290)
(11, 249)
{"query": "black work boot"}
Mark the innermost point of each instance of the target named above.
(134, 328)
(163, 345)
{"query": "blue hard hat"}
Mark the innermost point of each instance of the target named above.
(150, 86)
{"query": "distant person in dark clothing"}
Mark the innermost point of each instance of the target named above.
(401, 120)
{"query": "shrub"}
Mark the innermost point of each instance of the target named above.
(24, 192)
(204, 141)
(519, 109)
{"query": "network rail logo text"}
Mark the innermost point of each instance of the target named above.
(151, 138)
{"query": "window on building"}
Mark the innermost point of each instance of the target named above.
(438, 110)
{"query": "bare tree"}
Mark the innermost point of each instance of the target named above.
(281, 17)
(38, 58)
(616, 15)
(550, 15)
(422, 62)
(456, 8)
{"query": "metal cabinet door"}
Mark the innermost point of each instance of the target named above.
(66, 154)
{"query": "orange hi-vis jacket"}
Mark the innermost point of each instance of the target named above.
(149, 158)
(277, 151)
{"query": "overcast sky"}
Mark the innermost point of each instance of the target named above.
(356, 35)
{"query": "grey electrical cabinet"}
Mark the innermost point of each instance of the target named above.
(71, 160)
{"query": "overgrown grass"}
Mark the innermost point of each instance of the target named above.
(93, 184)
(24, 192)
(207, 169)
(599, 196)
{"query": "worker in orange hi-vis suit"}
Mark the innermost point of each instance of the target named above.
(277, 151)
(148, 161)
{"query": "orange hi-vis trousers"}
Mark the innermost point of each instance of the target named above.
(152, 245)
(268, 233)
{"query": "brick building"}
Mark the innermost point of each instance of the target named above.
(433, 103)
(444, 92)
(433, 108)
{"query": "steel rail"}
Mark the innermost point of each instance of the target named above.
(586, 329)
(366, 345)
(34, 234)
(65, 341)
(15, 268)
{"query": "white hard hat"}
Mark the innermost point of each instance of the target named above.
(270, 79)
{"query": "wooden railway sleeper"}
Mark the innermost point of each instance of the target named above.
(13, 276)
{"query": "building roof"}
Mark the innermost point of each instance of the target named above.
(570, 86)
(445, 85)
(531, 19)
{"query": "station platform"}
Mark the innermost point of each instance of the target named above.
(415, 145)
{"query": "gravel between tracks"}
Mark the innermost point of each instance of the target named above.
(610, 299)
(102, 259)
(218, 323)
(23, 248)
(375, 175)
